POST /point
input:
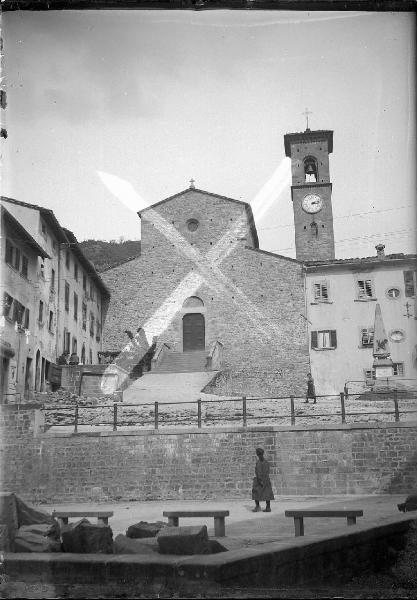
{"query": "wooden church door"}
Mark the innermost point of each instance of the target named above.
(194, 337)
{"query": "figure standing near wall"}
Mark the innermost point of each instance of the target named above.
(261, 485)
(311, 390)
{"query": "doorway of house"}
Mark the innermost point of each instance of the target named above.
(194, 334)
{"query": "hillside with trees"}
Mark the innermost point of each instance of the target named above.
(105, 255)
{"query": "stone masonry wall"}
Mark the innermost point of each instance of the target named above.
(254, 307)
(91, 385)
(207, 463)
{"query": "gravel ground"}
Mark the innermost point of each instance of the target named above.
(225, 411)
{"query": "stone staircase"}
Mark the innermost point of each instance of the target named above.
(182, 362)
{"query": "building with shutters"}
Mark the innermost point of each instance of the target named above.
(341, 296)
(53, 299)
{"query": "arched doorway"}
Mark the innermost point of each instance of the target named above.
(193, 332)
(38, 371)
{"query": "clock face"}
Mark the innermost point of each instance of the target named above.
(312, 203)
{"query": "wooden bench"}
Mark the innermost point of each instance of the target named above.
(63, 515)
(300, 514)
(219, 516)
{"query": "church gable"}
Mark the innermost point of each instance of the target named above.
(201, 218)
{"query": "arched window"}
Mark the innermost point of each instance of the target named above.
(310, 169)
(192, 302)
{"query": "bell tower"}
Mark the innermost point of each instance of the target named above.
(311, 193)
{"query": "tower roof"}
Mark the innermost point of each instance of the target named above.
(308, 136)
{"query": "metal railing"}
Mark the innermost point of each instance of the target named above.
(157, 417)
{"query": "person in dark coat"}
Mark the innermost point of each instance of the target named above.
(311, 390)
(261, 486)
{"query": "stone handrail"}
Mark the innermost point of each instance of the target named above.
(215, 357)
(159, 354)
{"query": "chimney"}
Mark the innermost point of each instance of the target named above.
(380, 250)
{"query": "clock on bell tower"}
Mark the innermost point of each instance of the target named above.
(311, 193)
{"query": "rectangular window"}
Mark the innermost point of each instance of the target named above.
(91, 291)
(398, 369)
(43, 229)
(26, 320)
(16, 259)
(92, 320)
(410, 283)
(84, 282)
(40, 316)
(52, 280)
(324, 340)
(98, 331)
(321, 291)
(67, 259)
(67, 295)
(9, 252)
(67, 341)
(51, 321)
(367, 337)
(74, 345)
(369, 374)
(365, 290)
(7, 304)
(75, 307)
(84, 315)
(75, 271)
(18, 312)
(25, 266)
(91, 356)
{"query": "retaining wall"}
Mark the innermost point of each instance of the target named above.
(209, 463)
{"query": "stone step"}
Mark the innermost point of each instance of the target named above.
(182, 362)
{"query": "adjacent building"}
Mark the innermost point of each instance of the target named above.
(54, 301)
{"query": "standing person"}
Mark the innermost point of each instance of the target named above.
(261, 486)
(311, 390)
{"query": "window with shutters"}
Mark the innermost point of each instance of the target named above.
(9, 253)
(367, 337)
(16, 259)
(321, 291)
(84, 315)
(398, 368)
(75, 306)
(67, 341)
(7, 305)
(324, 339)
(18, 312)
(25, 266)
(410, 283)
(40, 315)
(365, 290)
(67, 296)
(74, 345)
(369, 373)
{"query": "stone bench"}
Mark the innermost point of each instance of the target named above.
(219, 516)
(63, 515)
(299, 515)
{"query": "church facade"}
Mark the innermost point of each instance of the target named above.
(202, 280)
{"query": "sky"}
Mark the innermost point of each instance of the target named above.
(111, 111)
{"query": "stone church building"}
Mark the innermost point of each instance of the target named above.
(212, 300)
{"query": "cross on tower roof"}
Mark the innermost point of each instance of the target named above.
(306, 113)
(192, 182)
